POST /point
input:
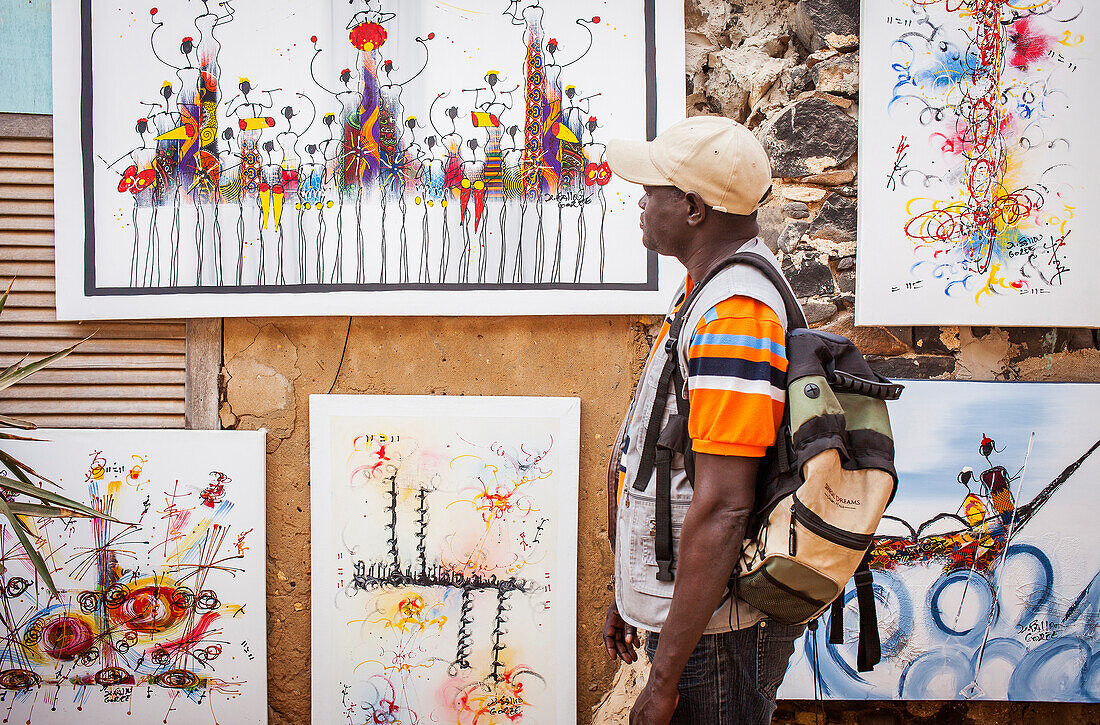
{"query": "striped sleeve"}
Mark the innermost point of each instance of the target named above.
(737, 377)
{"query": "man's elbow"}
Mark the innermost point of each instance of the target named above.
(724, 516)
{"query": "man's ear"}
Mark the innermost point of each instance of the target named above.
(697, 209)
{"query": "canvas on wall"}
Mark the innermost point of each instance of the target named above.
(987, 571)
(280, 157)
(444, 559)
(976, 162)
(160, 619)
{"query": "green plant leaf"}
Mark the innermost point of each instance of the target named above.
(13, 366)
(51, 497)
(32, 553)
(16, 423)
(40, 511)
(6, 381)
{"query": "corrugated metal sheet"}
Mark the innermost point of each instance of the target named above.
(128, 375)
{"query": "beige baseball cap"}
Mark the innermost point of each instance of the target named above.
(715, 157)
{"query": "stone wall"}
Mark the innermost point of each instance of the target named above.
(789, 70)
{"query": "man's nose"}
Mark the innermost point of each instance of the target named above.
(641, 202)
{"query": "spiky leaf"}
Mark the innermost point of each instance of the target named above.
(43, 512)
(13, 366)
(21, 470)
(16, 423)
(13, 437)
(32, 553)
(6, 381)
(4, 298)
(50, 497)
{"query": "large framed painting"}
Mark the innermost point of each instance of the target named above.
(279, 157)
(987, 569)
(977, 154)
(159, 619)
(444, 559)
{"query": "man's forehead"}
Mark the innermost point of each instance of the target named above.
(666, 189)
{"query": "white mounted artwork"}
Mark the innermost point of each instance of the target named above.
(444, 558)
(374, 157)
(977, 158)
(987, 571)
(161, 619)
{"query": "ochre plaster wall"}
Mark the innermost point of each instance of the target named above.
(273, 366)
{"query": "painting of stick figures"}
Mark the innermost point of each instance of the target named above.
(246, 157)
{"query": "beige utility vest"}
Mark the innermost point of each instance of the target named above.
(643, 601)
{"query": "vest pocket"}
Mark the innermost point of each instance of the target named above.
(643, 538)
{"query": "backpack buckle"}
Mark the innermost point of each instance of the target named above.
(664, 571)
(784, 448)
(670, 346)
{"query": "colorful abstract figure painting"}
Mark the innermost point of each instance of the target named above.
(444, 559)
(987, 567)
(976, 162)
(160, 619)
(427, 149)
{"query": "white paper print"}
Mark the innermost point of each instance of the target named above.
(444, 559)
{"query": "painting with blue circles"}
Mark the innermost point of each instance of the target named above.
(987, 567)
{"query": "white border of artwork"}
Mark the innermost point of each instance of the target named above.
(878, 266)
(322, 408)
(185, 449)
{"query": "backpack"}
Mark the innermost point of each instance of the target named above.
(822, 488)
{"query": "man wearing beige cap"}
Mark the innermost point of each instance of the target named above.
(714, 658)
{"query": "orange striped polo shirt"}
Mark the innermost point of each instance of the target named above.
(737, 371)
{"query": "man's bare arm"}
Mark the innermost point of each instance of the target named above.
(714, 527)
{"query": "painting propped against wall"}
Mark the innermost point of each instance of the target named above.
(280, 157)
(977, 162)
(444, 559)
(161, 619)
(987, 571)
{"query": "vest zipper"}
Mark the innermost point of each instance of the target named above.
(793, 517)
(821, 527)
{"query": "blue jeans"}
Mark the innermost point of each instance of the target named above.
(731, 678)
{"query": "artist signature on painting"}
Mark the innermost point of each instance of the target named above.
(1039, 630)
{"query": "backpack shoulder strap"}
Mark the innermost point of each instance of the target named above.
(668, 372)
(657, 448)
(796, 319)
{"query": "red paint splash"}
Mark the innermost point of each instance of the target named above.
(195, 635)
(966, 137)
(1028, 44)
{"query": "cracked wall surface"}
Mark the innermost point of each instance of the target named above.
(271, 367)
